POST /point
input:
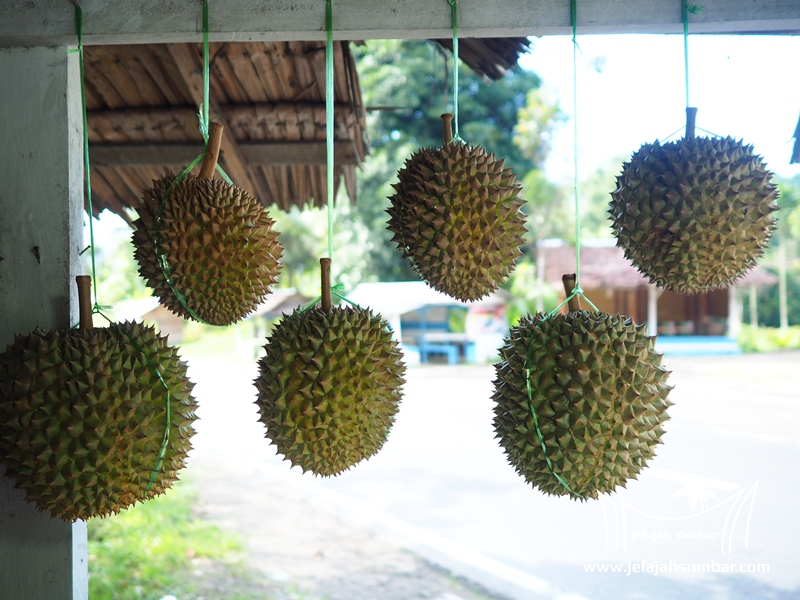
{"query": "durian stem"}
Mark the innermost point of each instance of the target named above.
(325, 271)
(691, 118)
(574, 303)
(85, 301)
(212, 150)
(447, 127)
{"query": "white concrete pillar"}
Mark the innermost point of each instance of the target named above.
(753, 305)
(734, 312)
(653, 294)
(41, 201)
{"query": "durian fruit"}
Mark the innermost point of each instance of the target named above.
(220, 253)
(695, 214)
(598, 391)
(329, 387)
(83, 418)
(456, 217)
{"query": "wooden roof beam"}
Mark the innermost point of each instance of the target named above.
(52, 22)
(253, 153)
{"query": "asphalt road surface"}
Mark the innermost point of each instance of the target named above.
(714, 517)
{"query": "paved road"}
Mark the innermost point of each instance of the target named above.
(721, 494)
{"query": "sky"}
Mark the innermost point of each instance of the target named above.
(631, 90)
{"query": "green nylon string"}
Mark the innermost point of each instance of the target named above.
(539, 434)
(454, 20)
(203, 122)
(206, 77)
(97, 309)
(329, 117)
(576, 291)
(574, 18)
(685, 19)
(686, 8)
(86, 168)
(162, 451)
(335, 291)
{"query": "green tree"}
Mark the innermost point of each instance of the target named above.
(536, 123)
(595, 195)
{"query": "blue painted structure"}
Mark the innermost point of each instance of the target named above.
(697, 345)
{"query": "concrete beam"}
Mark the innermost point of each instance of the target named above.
(41, 234)
(50, 22)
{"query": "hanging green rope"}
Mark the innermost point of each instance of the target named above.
(203, 123)
(96, 308)
(206, 75)
(329, 89)
(86, 167)
(687, 8)
(576, 290)
(574, 18)
(454, 22)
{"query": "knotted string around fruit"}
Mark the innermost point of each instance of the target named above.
(573, 294)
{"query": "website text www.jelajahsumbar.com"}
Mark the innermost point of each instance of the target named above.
(662, 568)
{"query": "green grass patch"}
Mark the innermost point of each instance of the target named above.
(160, 548)
(768, 339)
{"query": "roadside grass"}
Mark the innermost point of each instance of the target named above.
(768, 339)
(162, 548)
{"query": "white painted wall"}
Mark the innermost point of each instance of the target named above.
(41, 202)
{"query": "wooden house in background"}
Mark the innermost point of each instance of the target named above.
(614, 285)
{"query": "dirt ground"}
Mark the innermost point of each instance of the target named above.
(300, 544)
(304, 549)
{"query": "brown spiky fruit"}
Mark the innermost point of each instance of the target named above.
(206, 248)
(456, 216)
(83, 415)
(694, 215)
(599, 394)
(329, 387)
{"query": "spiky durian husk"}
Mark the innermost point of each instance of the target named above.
(694, 215)
(456, 217)
(83, 416)
(219, 245)
(599, 393)
(329, 387)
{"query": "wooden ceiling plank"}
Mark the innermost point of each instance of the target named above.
(285, 73)
(308, 86)
(268, 197)
(149, 124)
(233, 163)
(152, 59)
(265, 69)
(115, 71)
(95, 73)
(102, 192)
(136, 155)
(350, 183)
(140, 76)
(223, 75)
(121, 187)
(240, 57)
(267, 119)
(255, 153)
